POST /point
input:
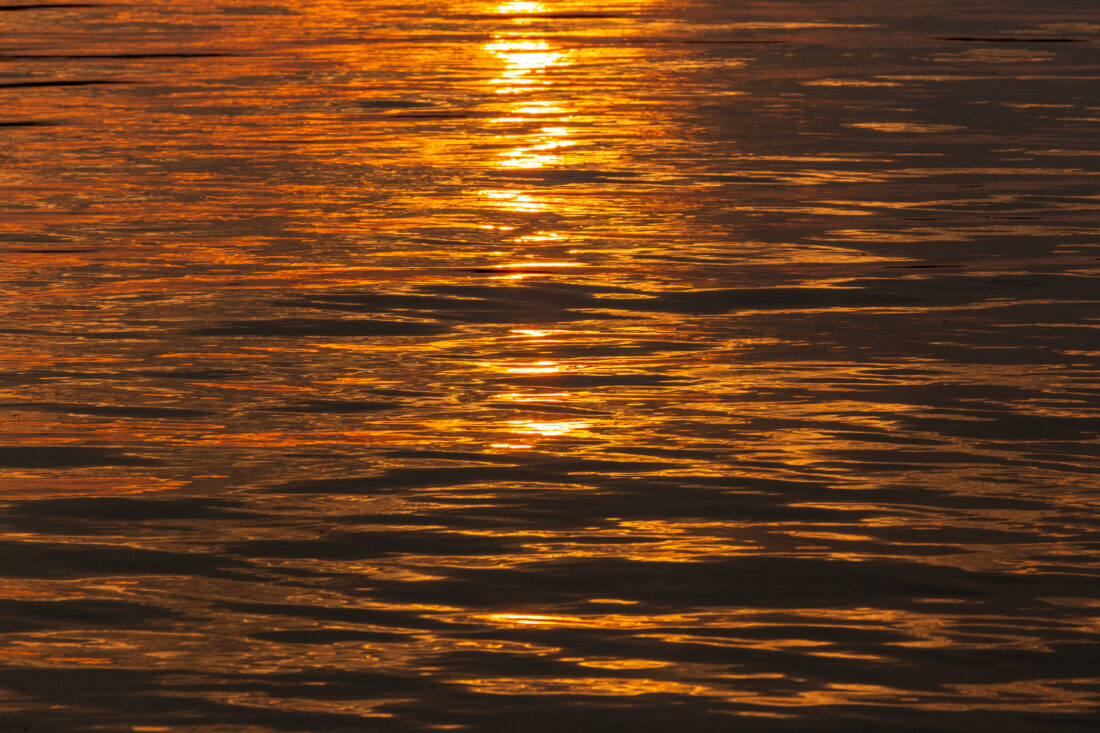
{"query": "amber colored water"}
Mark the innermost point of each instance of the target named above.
(642, 366)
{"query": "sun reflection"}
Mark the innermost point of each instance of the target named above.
(539, 237)
(533, 332)
(534, 133)
(546, 335)
(539, 152)
(515, 201)
(538, 108)
(534, 370)
(547, 397)
(532, 367)
(523, 59)
(521, 8)
(552, 429)
(528, 619)
(538, 264)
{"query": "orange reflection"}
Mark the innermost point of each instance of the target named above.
(23, 485)
(516, 201)
(538, 367)
(540, 150)
(521, 8)
(524, 61)
(618, 687)
(537, 263)
(549, 429)
(536, 397)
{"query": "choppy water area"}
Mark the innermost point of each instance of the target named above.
(647, 366)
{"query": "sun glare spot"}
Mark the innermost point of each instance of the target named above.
(510, 265)
(515, 201)
(538, 367)
(553, 429)
(520, 8)
(546, 397)
(542, 237)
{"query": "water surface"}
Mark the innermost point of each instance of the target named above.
(533, 366)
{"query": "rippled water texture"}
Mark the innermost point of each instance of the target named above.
(642, 366)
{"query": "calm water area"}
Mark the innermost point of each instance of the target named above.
(649, 366)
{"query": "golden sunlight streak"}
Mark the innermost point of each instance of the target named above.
(551, 429)
(521, 8)
(523, 60)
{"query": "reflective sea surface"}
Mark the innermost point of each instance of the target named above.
(641, 366)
